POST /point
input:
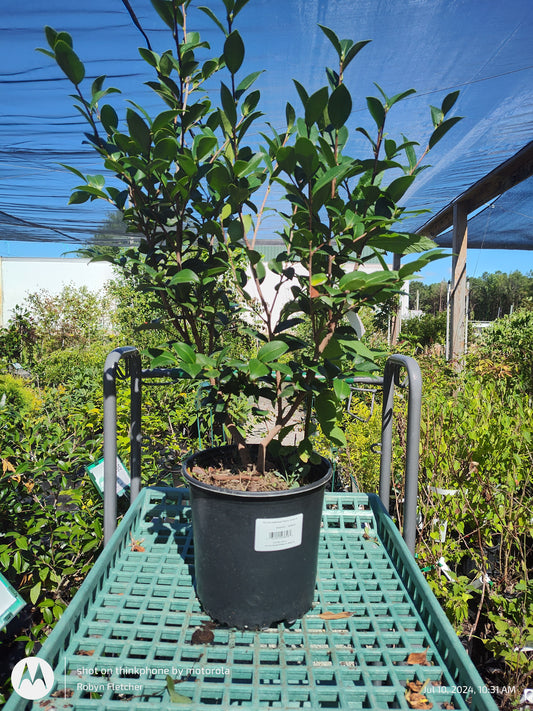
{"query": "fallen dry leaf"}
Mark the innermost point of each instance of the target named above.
(419, 658)
(136, 545)
(85, 652)
(327, 615)
(63, 693)
(414, 696)
(203, 635)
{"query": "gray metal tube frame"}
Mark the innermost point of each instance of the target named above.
(133, 361)
(414, 406)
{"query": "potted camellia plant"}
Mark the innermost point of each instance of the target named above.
(194, 182)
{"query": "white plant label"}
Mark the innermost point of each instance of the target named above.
(278, 534)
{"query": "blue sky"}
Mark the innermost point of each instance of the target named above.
(481, 48)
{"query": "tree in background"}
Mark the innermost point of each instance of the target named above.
(431, 297)
(495, 295)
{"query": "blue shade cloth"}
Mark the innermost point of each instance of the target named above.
(482, 48)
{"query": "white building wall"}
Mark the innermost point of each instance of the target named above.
(20, 276)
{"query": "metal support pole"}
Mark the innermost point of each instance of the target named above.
(414, 406)
(135, 427)
(110, 432)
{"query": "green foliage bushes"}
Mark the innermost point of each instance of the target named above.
(50, 514)
(475, 509)
(509, 342)
(425, 330)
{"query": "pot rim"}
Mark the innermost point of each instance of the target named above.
(322, 481)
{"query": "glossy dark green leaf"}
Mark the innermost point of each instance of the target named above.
(50, 35)
(332, 38)
(152, 58)
(398, 187)
(409, 152)
(443, 129)
(139, 130)
(234, 52)
(258, 369)
(290, 115)
(69, 62)
(449, 102)
(228, 104)
(184, 352)
(247, 82)
(272, 351)
(251, 101)
(286, 158)
(213, 17)
(109, 118)
(354, 51)
(314, 108)
(377, 110)
(302, 93)
(164, 9)
(399, 97)
(339, 106)
(203, 146)
(77, 197)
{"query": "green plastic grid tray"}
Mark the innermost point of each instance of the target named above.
(132, 623)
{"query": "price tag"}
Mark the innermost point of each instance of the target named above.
(277, 534)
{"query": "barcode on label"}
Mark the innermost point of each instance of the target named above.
(279, 534)
(275, 534)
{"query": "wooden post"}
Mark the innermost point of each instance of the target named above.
(458, 287)
(397, 317)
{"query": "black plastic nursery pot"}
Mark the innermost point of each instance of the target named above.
(255, 553)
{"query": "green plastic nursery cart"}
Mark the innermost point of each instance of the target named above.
(376, 638)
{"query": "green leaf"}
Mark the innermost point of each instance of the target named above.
(35, 592)
(258, 369)
(337, 437)
(234, 52)
(441, 130)
(353, 51)
(436, 116)
(228, 104)
(449, 102)
(109, 118)
(341, 388)
(176, 698)
(409, 152)
(399, 97)
(339, 106)
(213, 17)
(164, 9)
(302, 93)
(377, 110)
(332, 38)
(290, 116)
(184, 352)
(139, 131)
(69, 62)
(184, 276)
(203, 145)
(51, 36)
(398, 187)
(272, 351)
(315, 105)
